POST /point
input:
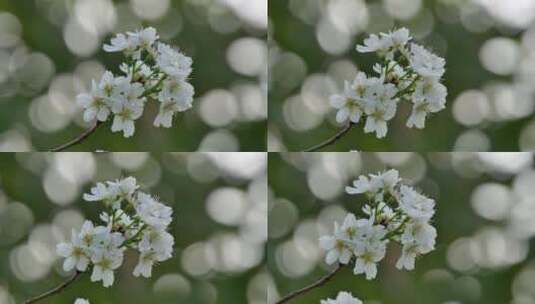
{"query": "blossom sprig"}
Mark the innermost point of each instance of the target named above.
(134, 220)
(394, 212)
(342, 298)
(152, 70)
(407, 72)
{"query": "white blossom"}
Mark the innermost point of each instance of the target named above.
(143, 38)
(74, 253)
(135, 221)
(172, 62)
(124, 188)
(421, 232)
(178, 91)
(380, 107)
(426, 63)
(342, 298)
(100, 193)
(364, 185)
(399, 37)
(81, 301)
(359, 86)
(387, 180)
(125, 114)
(420, 110)
(104, 240)
(176, 96)
(349, 228)
(395, 213)
(349, 107)
(130, 42)
(121, 220)
(367, 258)
(113, 192)
(409, 253)
(382, 213)
(386, 43)
(429, 97)
(119, 43)
(104, 264)
(158, 240)
(144, 266)
(153, 71)
(95, 104)
(408, 73)
(108, 84)
(369, 249)
(337, 248)
(156, 246)
(431, 90)
(375, 43)
(152, 212)
(378, 116)
(415, 204)
(164, 118)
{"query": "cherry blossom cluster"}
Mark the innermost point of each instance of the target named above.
(394, 212)
(342, 298)
(152, 71)
(133, 220)
(407, 72)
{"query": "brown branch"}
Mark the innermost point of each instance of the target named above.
(331, 140)
(79, 138)
(55, 290)
(318, 283)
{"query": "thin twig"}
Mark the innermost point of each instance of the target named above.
(318, 283)
(55, 290)
(331, 140)
(79, 138)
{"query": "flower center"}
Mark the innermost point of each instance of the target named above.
(108, 89)
(378, 115)
(351, 231)
(126, 113)
(105, 263)
(98, 102)
(77, 252)
(360, 90)
(368, 257)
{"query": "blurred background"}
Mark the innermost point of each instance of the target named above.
(485, 222)
(488, 46)
(219, 225)
(51, 49)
